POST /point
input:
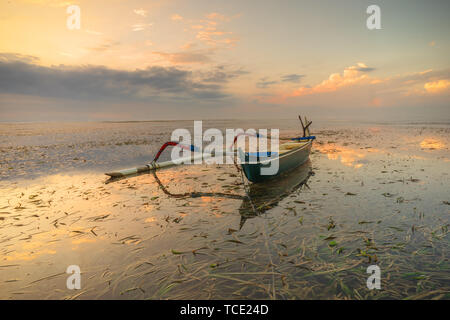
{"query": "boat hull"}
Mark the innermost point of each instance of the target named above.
(287, 161)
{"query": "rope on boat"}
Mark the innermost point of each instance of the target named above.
(267, 242)
(257, 135)
(195, 194)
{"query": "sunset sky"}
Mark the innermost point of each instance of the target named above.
(176, 59)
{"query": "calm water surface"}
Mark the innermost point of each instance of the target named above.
(370, 194)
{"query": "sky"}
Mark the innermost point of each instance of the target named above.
(197, 59)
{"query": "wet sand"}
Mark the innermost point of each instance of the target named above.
(371, 194)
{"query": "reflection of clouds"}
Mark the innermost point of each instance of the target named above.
(31, 250)
(350, 157)
(432, 143)
(206, 199)
(27, 256)
(42, 244)
(79, 241)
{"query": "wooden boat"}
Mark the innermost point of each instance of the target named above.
(291, 155)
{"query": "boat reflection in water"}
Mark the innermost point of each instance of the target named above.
(264, 196)
(258, 198)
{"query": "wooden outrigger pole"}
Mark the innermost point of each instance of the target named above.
(152, 166)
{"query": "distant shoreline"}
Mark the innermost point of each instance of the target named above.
(354, 121)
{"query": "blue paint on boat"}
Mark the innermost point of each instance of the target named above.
(304, 138)
(262, 154)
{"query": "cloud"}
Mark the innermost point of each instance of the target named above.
(361, 67)
(437, 86)
(50, 3)
(263, 83)
(185, 57)
(213, 36)
(188, 45)
(66, 54)
(354, 87)
(96, 33)
(222, 74)
(351, 76)
(140, 26)
(104, 84)
(295, 78)
(176, 17)
(376, 102)
(17, 57)
(107, 45)
(424, 83)
(210, 31)
(140, 12)
(217, 16)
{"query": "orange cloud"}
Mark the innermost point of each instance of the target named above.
(176, 17)
(210, 30)
(50, 3)
(351, 76)
(370, 90)
(437, 86)
(216, 16)
(140, 12)
(188, 45)
(141, 26)
(376, 102)
(184, 57)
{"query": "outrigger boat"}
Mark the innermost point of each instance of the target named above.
(291, 155)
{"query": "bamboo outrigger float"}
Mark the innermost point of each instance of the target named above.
(152, 166)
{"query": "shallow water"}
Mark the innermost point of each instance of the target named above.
(371, 194)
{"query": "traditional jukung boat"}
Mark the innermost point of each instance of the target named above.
(291, 155)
